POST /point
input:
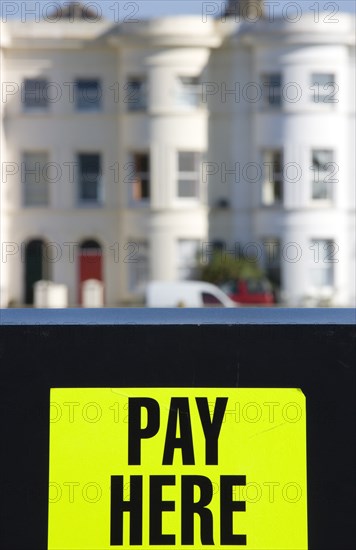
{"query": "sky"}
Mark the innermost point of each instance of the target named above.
(118, 10)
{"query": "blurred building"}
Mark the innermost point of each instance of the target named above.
(128, 148)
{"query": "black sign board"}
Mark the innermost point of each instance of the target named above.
(309, 349)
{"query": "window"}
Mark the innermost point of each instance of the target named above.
(139, 177)
(272, 259)
(211, 300)
(324, 88)
(188, 91)
(272, 188)
(88, 95)
(324, 256)
(35, 93)
(187, 258)
(188, 174)
(258, 286)
(323, 169)
(136, 94)
(89, 177)
(34, 178)
(272, 89)
(137, 259)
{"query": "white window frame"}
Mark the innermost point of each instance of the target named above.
(136, 99)
(89, 105)
(193, 176)
(324, 90)
(137, 256)
(272, 95)
(322, 178)
(323, 254)
(41, 180)
(271, 178)
(134, 178)
(188, 92)
(34, 108)
(90, 202)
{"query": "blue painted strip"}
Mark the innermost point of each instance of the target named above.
(186, 316)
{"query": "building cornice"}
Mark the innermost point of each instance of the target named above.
(187, 31)
(60, 35)
(304, 31)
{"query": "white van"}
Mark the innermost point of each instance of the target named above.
(186, 294)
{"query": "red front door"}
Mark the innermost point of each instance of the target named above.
(90, 266)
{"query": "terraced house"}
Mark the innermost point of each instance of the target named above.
(127, 148)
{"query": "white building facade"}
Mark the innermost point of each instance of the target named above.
(128, 148)
(286, 172)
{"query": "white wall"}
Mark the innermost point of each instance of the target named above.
(232, 130)
(240, 129)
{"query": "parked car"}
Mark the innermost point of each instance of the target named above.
(186, 294)
(250, 291)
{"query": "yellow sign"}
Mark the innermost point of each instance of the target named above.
(177, 468)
